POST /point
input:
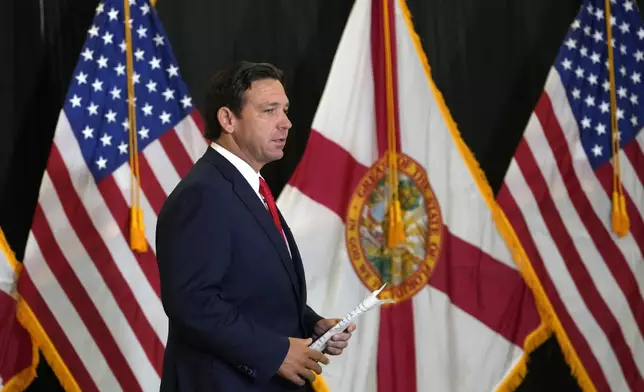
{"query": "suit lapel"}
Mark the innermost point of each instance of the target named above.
(296, 257)
(248, 196)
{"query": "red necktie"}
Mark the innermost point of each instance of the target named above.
(265, 191)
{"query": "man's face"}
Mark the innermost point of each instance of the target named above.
(262, 128)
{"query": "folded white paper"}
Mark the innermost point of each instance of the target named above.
(368, 303)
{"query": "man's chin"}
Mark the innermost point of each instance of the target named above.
(274, 156)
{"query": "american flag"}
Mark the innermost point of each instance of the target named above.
(558, 194)
(95, 307)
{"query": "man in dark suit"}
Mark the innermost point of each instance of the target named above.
(232, 280)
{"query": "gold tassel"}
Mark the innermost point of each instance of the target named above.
(396, 232)
(319, 384)
(626, 222)
(617, 221)
(621, 221)
(137, 230)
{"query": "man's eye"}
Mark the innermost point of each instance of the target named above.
(269, 110)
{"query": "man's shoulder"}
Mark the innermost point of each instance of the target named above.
(202, 180)
(202, 173)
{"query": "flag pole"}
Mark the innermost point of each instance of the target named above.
(621, 222)
(137, 226)
(396, 230)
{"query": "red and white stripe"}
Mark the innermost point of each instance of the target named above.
(98, 301)
(462, 332)
(561, 211)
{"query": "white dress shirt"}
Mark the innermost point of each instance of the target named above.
(247, 172)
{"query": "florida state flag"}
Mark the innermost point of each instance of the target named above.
(18, 355)
(388, 192)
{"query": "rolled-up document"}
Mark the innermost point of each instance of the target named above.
(368, 303)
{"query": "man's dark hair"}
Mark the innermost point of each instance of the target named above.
(227, 88)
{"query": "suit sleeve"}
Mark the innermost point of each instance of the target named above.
(310, 319)
(194, 252)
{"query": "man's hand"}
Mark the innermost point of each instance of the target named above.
(339, 341)
(300, 361)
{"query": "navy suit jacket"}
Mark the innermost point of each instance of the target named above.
(232, 292)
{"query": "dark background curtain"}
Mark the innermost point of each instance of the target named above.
(489, 58)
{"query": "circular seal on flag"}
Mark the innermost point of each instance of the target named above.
(407, 266)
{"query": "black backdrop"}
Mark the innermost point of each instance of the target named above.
(489, 58)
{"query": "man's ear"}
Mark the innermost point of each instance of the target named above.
(227, 119)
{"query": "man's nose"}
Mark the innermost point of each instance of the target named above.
(285, 123)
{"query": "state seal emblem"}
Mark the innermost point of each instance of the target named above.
(407, 266)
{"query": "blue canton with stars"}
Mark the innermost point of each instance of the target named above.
(96, 103)
(583, 65)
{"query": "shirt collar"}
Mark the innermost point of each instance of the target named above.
(244, 168)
